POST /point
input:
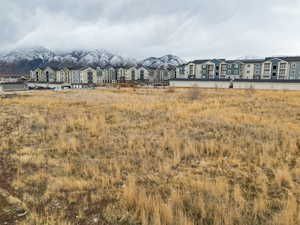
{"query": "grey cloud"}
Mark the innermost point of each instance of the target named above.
(191, 29)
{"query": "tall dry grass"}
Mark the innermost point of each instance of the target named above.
(153, 157)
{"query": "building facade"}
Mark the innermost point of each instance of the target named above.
(180, 72)
(142, 73)
(75, 75)
(293, 66)
(252, 69)
(275, 69)
(88, 75)
(44, 75)
(109, 74)
(272, 68)
(64, 75)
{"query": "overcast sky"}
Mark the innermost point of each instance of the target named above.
(141, 28)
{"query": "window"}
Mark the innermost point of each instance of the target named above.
(181, 70)
(294, 65)
(248, 65)
(37, 76)
(90, 77)
(47, 76)
(282, 72)
(229, 71)
(267, 68)
(142, 74)
(282, 65)
(204, 66)
(191, 67)
(223, 69)
(248, 71)
(210, 69)
(236, 66)
(274, 67)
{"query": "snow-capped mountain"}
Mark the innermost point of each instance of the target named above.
(21, 61)
(28, 54)
(167, 60)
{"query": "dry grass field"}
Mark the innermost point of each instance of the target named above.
(153, 156)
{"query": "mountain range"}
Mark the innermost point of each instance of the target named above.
(21, 61)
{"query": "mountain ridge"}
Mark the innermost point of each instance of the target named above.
(21, 61)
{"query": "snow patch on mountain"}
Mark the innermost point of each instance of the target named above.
(28, 54)
(26, 59)
(167, 61)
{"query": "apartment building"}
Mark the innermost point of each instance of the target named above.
(64, 75)
(234, 69)
(212, 69)
(203, 69)
(252, 69)
(191, 70)
(289, 67)
(109, 74)
(180, 71)
(44, 74)
(36, 75)
(273, 68)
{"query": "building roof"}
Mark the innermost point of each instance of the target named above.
(234, 61)
(72, 67)
(198, 61)
(252, 60)
(201, 61)
(237, 80)
(286, 58)
(123, 67)
(88, 67)
(105, 67)
(51, 67)
(36, 68)
(75, 68)
(217, 60)
(245, 61)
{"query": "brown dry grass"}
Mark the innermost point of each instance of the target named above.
(153, 157)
